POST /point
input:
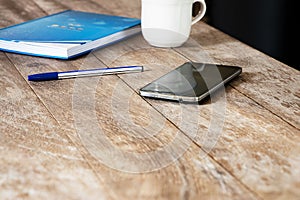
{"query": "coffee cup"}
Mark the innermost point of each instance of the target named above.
(167, 23)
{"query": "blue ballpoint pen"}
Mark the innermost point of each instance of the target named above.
(84, 73)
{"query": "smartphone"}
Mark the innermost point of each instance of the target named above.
(190, 82)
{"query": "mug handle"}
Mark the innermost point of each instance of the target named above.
(201, 12)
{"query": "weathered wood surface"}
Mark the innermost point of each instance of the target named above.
(243, 144)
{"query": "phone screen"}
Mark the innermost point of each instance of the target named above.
(190, 82)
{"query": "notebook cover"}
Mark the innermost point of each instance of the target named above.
(69, 26)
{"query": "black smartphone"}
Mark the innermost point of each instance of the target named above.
(190, 82)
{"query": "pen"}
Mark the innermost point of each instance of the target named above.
(84, 73)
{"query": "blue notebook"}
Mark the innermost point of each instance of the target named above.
(67, 34)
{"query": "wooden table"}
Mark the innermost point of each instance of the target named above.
(96, 138)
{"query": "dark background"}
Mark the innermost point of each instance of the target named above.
(270, 26)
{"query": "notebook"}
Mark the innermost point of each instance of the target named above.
(67, 34)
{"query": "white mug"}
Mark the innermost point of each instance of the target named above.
(167, 23)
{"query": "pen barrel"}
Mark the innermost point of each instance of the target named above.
(99, 72)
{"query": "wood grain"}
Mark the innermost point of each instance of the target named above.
(280, 91)
(123, 139)
(97, 138)
(37, 157)
(60, 106)
(275, 151)
(249, 141)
